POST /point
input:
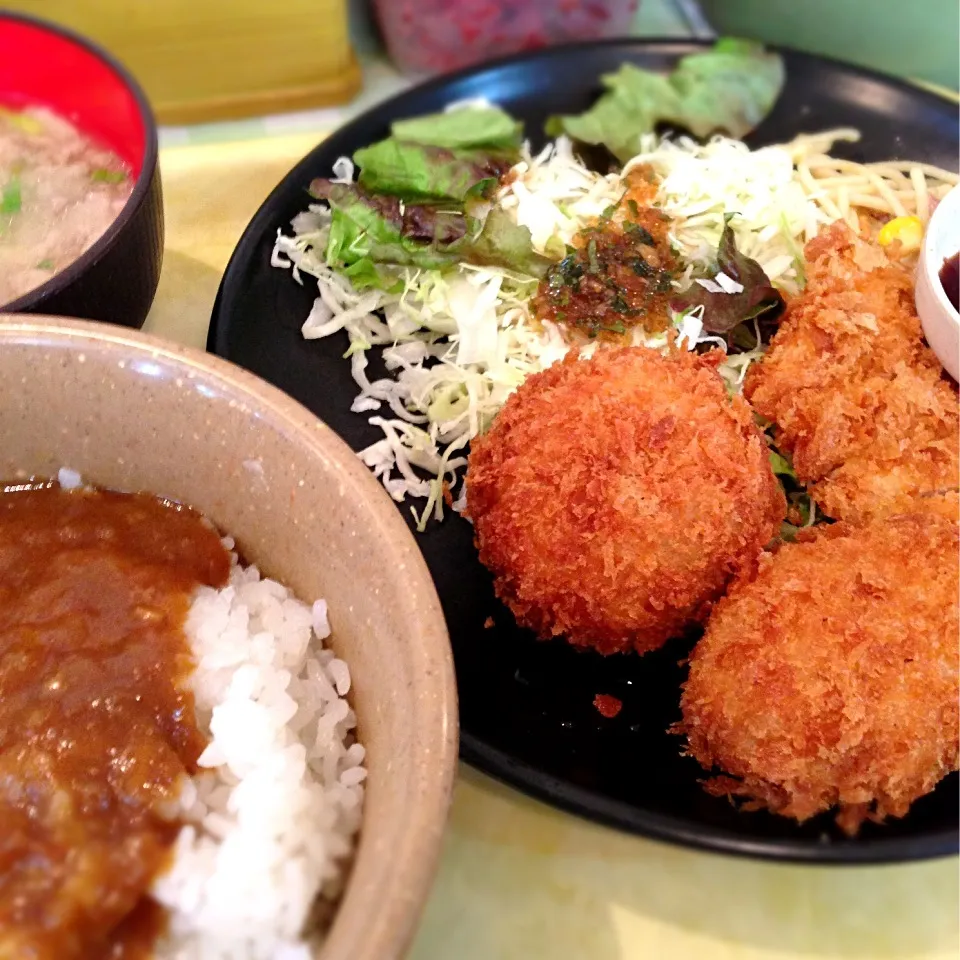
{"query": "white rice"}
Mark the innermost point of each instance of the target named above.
(270, 823)
(69, 479)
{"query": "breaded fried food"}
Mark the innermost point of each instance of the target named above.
(613, 498)
(858, 399)
(827, 676)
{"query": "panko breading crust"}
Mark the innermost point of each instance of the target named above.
(613, 498)
(858, 399)
(828, 676)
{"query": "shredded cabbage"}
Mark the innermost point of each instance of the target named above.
(456, 343)
(554, 195)
(700, 183)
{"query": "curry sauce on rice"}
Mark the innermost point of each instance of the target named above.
(152, 693)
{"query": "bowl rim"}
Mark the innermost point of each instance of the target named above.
(408, 870)
(933, 257)
(141, 188)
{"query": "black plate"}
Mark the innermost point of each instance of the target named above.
(526, 708)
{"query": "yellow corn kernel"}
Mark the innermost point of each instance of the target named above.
(908, 230)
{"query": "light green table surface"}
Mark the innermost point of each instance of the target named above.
(519, 880)
(917, 38)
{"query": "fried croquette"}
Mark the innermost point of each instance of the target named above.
(858, 399)
(828, 675)
(613, 498)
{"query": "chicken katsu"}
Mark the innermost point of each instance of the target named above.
(857, 398)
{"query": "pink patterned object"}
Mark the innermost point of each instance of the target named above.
(437, 36)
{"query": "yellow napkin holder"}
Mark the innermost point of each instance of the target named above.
(205, 60)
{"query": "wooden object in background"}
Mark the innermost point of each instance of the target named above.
(203, 60)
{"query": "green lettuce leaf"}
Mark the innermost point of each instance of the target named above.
(503, 243)
(731, 87)
(370, 234)
(369, 228)
(781, 465)
(464, 129)
(635, 101)
(382, 218)
(802, 511)
(413, 171)
(723, 312)
(364, 274)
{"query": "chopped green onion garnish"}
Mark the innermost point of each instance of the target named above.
(592, 256)
(10, 199)
(640, 234)
(45, 265)
(103, 175)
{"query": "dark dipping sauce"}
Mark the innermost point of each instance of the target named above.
(97, 727)
(950, 279)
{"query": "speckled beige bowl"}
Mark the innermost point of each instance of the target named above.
(132, 412)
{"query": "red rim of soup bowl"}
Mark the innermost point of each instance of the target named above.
(43, 64)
